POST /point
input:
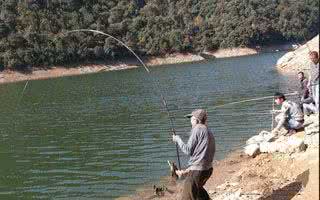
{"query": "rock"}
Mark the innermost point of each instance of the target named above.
(236, 178)
(255, 140)
(222, 187)
(312, 125)
(267, 142)
(268, 147)
(314, 118)
(252, 150)
(312, 130)
(294, 141)
(263, 136)
(212, 192)
(311, 137)
(312, 140)
(283, 145)
(235, 194)
(295, 144)
(268, 136)
(233, 184)
(256, 192)
(297, 59)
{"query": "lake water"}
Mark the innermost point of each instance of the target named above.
(104, 135)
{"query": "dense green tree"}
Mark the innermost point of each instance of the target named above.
(33, 32)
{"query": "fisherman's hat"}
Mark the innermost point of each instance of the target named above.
(200, 114)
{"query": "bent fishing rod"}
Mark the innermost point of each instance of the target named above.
(164, 102)
(18, 103)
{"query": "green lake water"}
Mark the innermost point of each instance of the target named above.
(104, 135)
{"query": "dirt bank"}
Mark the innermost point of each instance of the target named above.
(265, 177)
(292, 174)
(275, 176)
(37, 73)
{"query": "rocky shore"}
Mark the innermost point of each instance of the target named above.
(288, 172)
(269, 167)
(275, 167)
(298, 60)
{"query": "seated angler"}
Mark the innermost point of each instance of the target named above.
(309, 108)
(290, 117)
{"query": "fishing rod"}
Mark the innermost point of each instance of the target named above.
(19, 101)
(24, 89)
(272, 115)
(164, 102)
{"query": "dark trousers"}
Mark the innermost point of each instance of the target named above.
(193, 185)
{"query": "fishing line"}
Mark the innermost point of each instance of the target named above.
(164, 102)
(254, 99)
(244, 113)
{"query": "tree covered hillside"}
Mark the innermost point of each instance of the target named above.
(32, 31)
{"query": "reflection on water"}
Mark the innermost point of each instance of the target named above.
(101, 136)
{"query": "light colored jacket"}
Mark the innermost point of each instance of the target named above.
(289, 110)
(314, 74)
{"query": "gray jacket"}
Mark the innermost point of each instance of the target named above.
(304, 90)
(200, 147)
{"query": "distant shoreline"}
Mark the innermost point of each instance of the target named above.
(9, 76)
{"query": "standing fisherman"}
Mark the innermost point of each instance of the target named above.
(201, 149)
(314, 78)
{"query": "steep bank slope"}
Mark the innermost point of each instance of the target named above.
(298, 60)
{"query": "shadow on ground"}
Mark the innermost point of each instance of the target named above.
(290, 190)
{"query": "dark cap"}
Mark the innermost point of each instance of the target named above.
(200, 114)
(279, 95)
